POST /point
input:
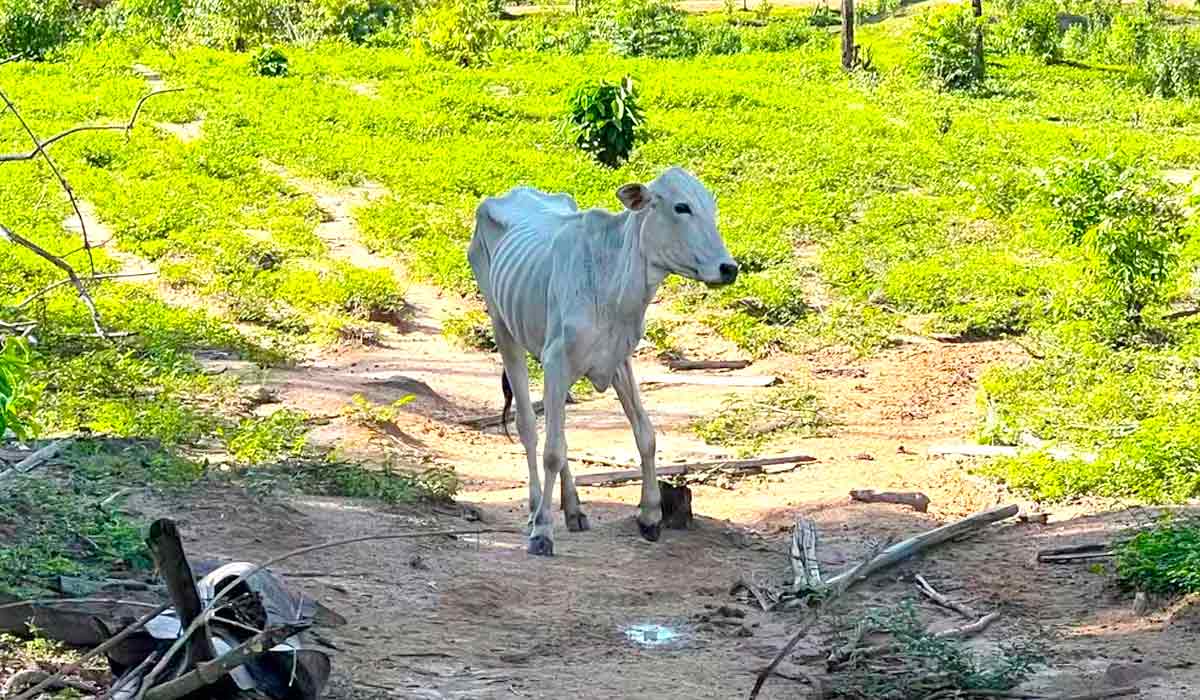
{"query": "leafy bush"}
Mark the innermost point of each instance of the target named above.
(1032, 29)
(720, 40)
(944, 47)
(32, 28)
(783, 35)
(1130, 35)
(1126, 221)
(652, 28)
(1165, 559)
(1171, 66)
(607, 119)
(258, 440)
(14, 362)
(237, 24)
(356, 20)
(269, 62)
(461, 31)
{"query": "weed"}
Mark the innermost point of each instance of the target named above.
(1171, 65)
(460, 31)
(1031, 28)
(651, 28)
(923, 664)
(269, 62)
(607, 119)
(944, 47)
(748, 423)
(260, 440)
(14, 363)
(1165, 559)
(369, 414)
(471, 329)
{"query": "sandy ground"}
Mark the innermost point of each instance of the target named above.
(476, 617)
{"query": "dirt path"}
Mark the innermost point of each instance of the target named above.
(470, 618)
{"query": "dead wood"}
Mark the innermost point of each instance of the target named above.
(227, 588)
(676, 505)
(710, 380)
(806, 570)
(769, 669)
(1183, 313)
(167, 550)
(210, 672)
(1093, 695)
(96, 651)
(914, 545)
(757, 592)
(914, 499)
(688, 365)
(33, 676)
(932, 593)
(737, 466)
(968, 450)
(35, 460)
(1076, 552)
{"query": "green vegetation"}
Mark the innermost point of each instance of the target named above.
(14, 359)
(606, 118)
(472, 329)
(749, 423)
(1164, 559)
(269, 62)
(255, 441)
(922, 664)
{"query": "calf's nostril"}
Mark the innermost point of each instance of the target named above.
(728, 272)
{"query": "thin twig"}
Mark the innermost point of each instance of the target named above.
(186, 634)
(37, 147)
(764, 674)
(51, 602)
(933, 594)
(62, 265)
(109, 644)
(94, 278)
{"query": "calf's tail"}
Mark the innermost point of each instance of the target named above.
(508, 399)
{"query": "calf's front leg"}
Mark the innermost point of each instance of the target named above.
(554, 457)
(649, 517)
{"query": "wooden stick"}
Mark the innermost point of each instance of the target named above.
(737, 465)
(35, 460)
(210, 672)
(1068, 558)
(766, 672)
(806, 570)
(914, 499)
(688, 365)
(167, 548)
(932, 593)
(709, 380)
(754, 591)
(96, 651)
(916, 544)
(1094, 695)
(1089, 548)
(175, 647)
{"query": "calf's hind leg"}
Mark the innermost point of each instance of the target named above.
(576, 520)
(649, 518)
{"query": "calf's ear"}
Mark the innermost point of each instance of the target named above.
(635, 196)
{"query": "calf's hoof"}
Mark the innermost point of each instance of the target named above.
(578, 522)
(650, 533)
(541, 546)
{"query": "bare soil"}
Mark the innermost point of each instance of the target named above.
(476, 617)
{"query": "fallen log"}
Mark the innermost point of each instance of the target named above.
(1091, 550)
(738, 466)
(710, 380)
(35, 460)
(914, 499)
(688, 365)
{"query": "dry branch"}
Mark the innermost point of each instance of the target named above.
(35, 460)
(94, 278)
(914, 545)
(62, 265)
(96, 651)
(126, 127)
(167, 548)
(710, 380)
(914, 499)
(840, 656)
(806, 570)
(688, 365)
(933, 594)
(187, 632)
(737, 466)
(1075, 552)
(210, 672)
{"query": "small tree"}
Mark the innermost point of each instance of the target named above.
(606, 118)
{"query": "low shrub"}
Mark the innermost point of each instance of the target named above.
(783, 35)
(1170, 67)
(269, 62)
(652, 28)
(944, 47)
(606, 118)
(1165, 559)
(460, 31)
(1032, 29)
(34, 28)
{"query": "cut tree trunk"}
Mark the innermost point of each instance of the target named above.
(167, 549)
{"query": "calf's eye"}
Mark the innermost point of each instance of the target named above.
(682, 208)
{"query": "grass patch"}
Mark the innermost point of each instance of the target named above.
(922, 664)
(332, 477)
(1165, 559)
(260, 440)
(470, 329)
(56, 523)
(747, 423)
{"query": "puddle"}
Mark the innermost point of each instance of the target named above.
(651, 635)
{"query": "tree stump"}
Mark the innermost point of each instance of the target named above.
(676, 505)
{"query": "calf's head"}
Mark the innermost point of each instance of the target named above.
(679, 227)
